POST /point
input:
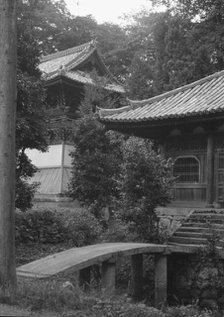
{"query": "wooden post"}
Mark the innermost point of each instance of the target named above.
(84, 278)
(7, 147)
(210, 171)
(162, 150)
(160, 280)
(108, 277)
(137, 276)
(62, 167)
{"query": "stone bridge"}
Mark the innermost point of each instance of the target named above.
(81, 259)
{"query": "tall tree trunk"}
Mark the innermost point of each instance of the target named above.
(7, 147)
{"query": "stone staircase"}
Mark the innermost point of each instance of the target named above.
(200, 227)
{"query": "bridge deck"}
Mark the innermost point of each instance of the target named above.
(80, 258)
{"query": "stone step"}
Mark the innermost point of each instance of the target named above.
(203, 225)
(192, 234)
(201, 230)
(194, 241)
(184, 240)
(213, 212)
(205, 221)
(207, 216)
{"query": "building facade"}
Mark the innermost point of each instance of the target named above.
(187, 124)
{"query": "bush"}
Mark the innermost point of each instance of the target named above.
(146, 184)
(76, 228)
(40, 226)
(82, 227)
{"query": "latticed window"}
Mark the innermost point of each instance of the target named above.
(186, 169)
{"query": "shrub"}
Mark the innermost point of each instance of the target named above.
(40, 226)
(145, 185)
(75, 228)
(82, 227)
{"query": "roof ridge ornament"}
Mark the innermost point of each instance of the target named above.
(62, 70)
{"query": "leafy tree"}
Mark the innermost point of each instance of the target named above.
(145, 184)
(96, 158)
(202, 30)
(47, 20)
(30, 125)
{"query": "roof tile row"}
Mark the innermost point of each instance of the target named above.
(204, 96)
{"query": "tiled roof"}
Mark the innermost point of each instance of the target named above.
(205, 96)
(67, 59)
(66, 63)
(85, 78)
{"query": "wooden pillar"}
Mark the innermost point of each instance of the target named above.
(162, 150)
(160, 280)
(108, 277)
(84, 278)
(137, 276)
(8, 45)
(210, 171)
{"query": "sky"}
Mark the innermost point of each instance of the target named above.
(106, 10)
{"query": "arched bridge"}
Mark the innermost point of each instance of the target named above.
(188, 238)
(106, 254)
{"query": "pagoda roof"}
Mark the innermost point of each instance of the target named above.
(198, 99)
(69, 64)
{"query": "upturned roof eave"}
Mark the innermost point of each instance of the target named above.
(165, 121)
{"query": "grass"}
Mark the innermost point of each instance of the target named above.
(56, 298)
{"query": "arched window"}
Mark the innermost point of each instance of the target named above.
(186, 169)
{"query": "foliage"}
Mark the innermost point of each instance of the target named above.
(146, 184)
(73, 228)
(81, 226)
(189, 310)
(30, 122)
(24, 194)
(39, 226)
(55, 296)
(117, 231)
(51, 295)
(96, 156)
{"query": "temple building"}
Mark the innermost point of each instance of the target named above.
(66, 73)
(188, 125)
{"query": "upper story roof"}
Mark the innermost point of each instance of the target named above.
(200, 98)
(71, 63)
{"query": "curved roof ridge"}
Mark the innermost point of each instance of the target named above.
(139, 103)
(68, 51)
(202, 97)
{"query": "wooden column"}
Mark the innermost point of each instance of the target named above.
(137, 276)
(8, 46)
(108, 277)
(210, 171)
(160, 280)
(162, 150)
(84, 278)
